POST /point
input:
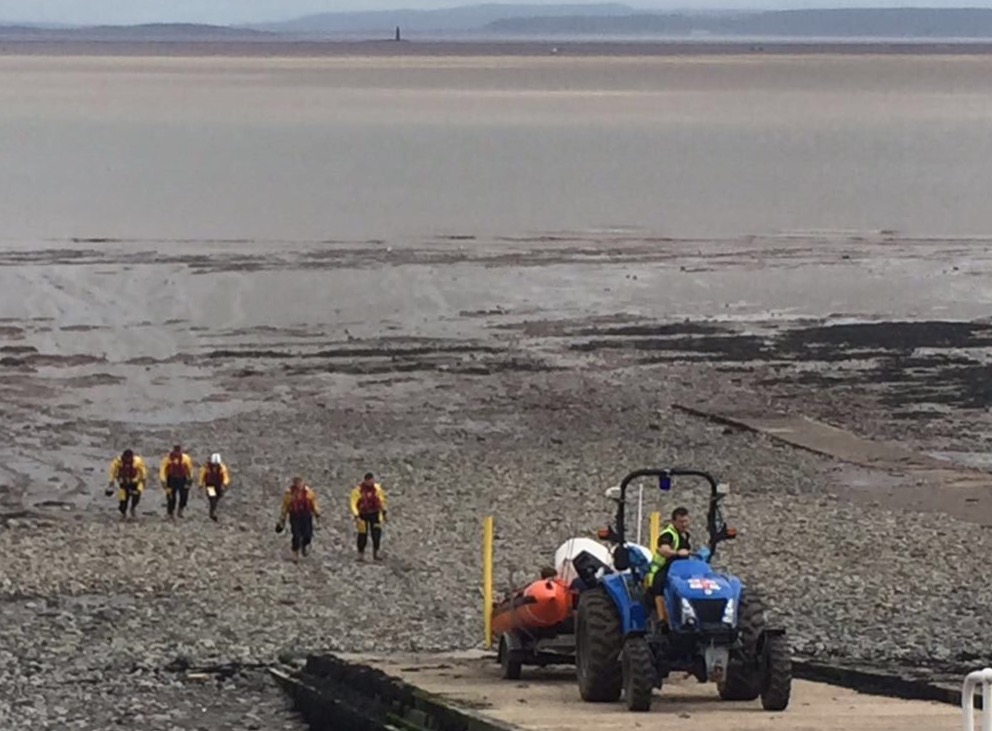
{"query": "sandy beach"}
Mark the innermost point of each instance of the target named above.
(489, 280)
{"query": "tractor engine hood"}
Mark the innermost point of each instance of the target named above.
(693, 579)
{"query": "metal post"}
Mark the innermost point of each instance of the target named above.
(655, 530)
(640, 512)
(487, 579)
(987, 701)
(971, 682)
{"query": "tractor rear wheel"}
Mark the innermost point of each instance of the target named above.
(742, 681)
(598, 641)
(778, 666)
(638, 674)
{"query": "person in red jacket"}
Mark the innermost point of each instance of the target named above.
(176, 475)
(299, 504)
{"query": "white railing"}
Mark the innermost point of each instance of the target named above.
(971, 683)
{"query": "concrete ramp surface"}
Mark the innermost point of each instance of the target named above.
(815, 436)
(548, 700)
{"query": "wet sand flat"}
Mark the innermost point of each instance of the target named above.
(393, 147)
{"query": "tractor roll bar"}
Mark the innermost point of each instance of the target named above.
(664, 483)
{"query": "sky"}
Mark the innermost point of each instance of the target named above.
(251, 11)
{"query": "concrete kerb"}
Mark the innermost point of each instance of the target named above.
(874, 682)
(331, 693)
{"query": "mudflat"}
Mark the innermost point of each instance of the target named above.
(488, 280)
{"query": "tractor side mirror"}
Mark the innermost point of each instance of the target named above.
(607, 534)
(665, 483)
(723, 488)
(613, 493)
(726, 534)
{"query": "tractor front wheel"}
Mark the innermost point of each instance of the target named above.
(598, 641)
(742, 681)
(638, 674)
(778, 668)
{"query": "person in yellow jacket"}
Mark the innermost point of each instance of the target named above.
(176, 475)
(674, 543)
(129, 473)
(368, 508)
(299, 504)
(214, 481)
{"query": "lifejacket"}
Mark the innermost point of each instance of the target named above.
(176, 468)
(214, 476)
(658, 562)
(368, 501)
(127, 474)
(299, 504)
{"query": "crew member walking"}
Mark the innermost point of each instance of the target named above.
(368, 508)
(128, 471)
(214, 480)
(176, 475)
(299, 504)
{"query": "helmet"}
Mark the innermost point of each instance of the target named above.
(128, 455)
(215, 458)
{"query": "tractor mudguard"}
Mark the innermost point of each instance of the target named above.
(765, 634)
(630, 606)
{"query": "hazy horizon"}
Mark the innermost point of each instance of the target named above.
(237, 12)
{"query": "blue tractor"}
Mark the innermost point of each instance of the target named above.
(715, 628)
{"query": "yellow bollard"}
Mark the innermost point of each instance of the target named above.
(487, 579)
(655, 530)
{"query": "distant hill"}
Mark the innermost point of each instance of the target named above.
(839, 23)
(150, 32)
(535, 21)
(448, 20)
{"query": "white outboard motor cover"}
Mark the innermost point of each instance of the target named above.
(574, 546)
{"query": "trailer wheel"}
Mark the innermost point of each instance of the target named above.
(511, 666)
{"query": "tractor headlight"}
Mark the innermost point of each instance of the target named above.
(729, 613)
(688, 613)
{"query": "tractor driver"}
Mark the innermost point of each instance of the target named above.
(673, 544)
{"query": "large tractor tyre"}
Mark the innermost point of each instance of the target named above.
(778, 681)
(598, 641)
(510, 665)
(638, 674)
(742, 681)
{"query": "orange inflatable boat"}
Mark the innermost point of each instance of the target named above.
(539, 605)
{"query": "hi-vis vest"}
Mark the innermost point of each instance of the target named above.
(658, 562)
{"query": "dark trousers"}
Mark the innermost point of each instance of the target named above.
(658, 582)
(371, 521)
(176, 488)
(214, 501)
(302, 529)
(132, 496)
